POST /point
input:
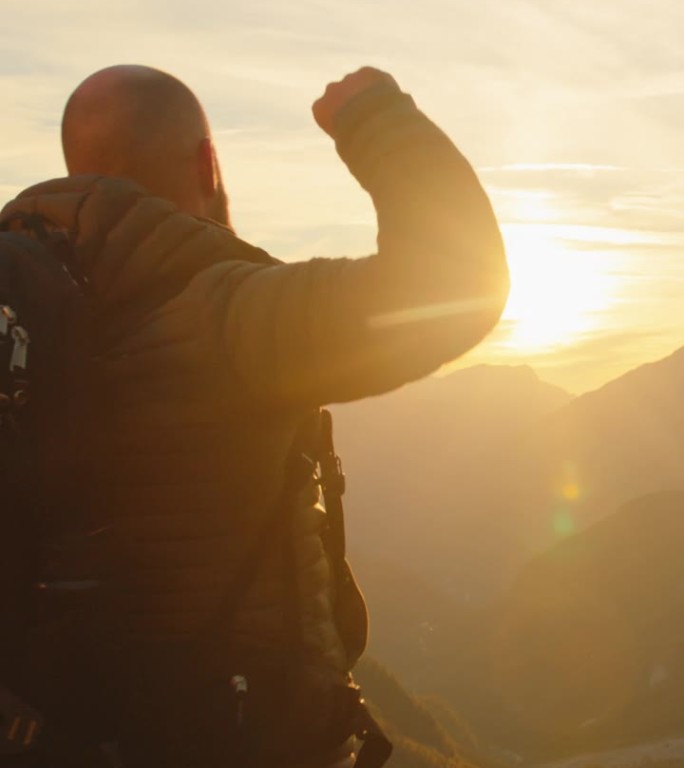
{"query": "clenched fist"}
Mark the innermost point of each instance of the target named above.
(338, 94)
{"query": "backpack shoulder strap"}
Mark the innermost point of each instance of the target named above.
(350, 608)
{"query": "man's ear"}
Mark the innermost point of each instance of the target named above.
(208, 168)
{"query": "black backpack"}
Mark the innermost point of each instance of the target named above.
(43, 353)
(39, 301)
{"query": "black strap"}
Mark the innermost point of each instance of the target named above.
(299, 469)
(376, 749)
(34, 235)
(333, 483)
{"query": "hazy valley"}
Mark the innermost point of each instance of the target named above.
(519, 549)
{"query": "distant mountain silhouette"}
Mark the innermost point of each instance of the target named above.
(586, 650)
(597, 452)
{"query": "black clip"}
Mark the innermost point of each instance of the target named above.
(334, 480)
(376, 749)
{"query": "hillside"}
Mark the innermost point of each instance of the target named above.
(586, 650)
(483, 527)
(415, 727)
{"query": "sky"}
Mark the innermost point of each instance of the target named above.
(570, 110)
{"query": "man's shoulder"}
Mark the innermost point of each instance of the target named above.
(124, 238)
(63, 201)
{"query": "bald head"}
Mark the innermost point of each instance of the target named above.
(145, 125)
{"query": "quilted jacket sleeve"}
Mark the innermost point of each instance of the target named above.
(332, 330)
(304, 334)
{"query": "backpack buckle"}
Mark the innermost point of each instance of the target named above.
(20, 349)
(8, 317)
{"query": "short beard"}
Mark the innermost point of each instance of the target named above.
(218, 210)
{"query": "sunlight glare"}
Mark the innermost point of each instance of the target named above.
(556, 292)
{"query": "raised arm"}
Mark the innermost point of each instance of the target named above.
(314, 332)
(340, 329)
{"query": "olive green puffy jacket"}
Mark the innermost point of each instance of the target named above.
(206, 354)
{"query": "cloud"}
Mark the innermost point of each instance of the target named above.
(636, 199)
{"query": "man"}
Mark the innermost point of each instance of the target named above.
(227, 622)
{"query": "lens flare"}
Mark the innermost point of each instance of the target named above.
(563, 524)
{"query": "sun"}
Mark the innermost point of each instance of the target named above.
(557, 292)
